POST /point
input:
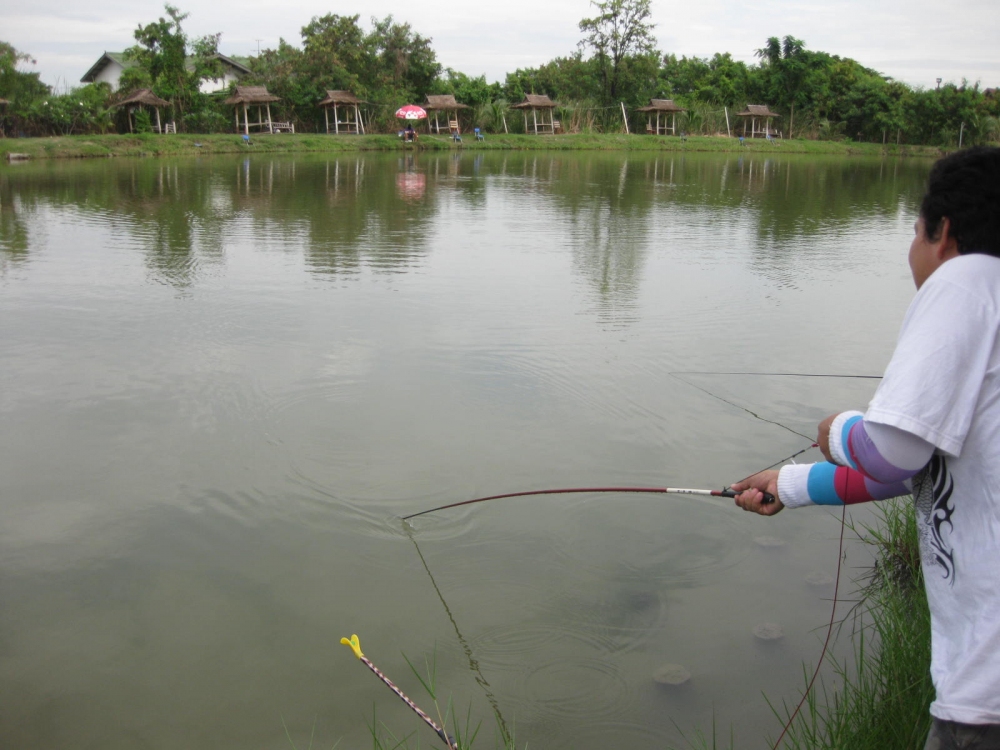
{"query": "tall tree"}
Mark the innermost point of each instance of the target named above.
(406, 60)
(162, 54)
(620, 31)
(16, 85)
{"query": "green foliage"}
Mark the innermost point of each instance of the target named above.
(471, 91)
(207, 120)
(817, 95)
(82, 110)
(16, 85)
(143, 121)
(621, 37)
(21, 89)
(163, 62)
(161, 52)
(386, 66)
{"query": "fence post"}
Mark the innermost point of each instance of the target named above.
(625, 118)
(961, 132)
(728, 131)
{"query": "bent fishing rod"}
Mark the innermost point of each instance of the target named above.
(768, 497)
(727, 492)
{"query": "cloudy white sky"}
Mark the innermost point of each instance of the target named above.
(916, 41)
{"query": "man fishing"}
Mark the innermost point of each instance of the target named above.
(933, 430)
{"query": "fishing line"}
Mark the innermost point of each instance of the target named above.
(776, 374)
(742, 408)
(829, 632)
(473, 662)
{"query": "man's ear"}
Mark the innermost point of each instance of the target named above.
(946, 246)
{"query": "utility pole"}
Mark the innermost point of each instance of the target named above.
(258, 46)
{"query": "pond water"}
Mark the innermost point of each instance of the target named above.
(223, 382)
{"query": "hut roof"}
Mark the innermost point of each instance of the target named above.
(443, 101)
(757, 110)
(339, 97)
(143, 96)
(251, 95)
(535, 101)
(661, 105)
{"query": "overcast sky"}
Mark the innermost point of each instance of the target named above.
(916, 41)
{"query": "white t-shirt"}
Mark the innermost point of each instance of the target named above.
(943, 385)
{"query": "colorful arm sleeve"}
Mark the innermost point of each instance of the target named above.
(828, 484)
(881, 452)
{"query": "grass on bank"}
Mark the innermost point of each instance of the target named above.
(88, 146)
(883, 698)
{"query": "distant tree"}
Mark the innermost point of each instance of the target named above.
(467, 90)
(16, 85)
(620, 36)
(161, 53)
(405, 60)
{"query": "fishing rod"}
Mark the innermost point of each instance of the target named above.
(355, 645)
(767, 500)
(768, 497)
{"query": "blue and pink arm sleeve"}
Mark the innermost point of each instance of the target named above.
(872, 462)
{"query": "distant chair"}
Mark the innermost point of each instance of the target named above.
(246, 139)
(479, 135)
(684, 137)
(457, 137)
(771, 139)
(742, 141)
(170, 127)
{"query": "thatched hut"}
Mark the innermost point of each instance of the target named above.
(541, 107)
(753, 113)
(446, 103)
(661, 108)
(143, 98)
(248, 96)
(352, 115)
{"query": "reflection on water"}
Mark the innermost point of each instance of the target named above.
(222, 381)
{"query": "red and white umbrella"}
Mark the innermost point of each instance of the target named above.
(411, 112)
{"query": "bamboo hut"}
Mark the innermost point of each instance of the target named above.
(140, 98)
(662, 108)
(446, 103)
(256, 96)
(352, 115)
(540, 106)
(753, 113)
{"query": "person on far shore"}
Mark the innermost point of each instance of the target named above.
(933, 430)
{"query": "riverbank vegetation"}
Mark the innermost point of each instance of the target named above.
(141, 145)
(880, 699)
(615, 68)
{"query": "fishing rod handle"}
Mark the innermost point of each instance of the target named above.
(768, 497)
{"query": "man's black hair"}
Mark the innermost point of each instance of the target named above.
(964, 187)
